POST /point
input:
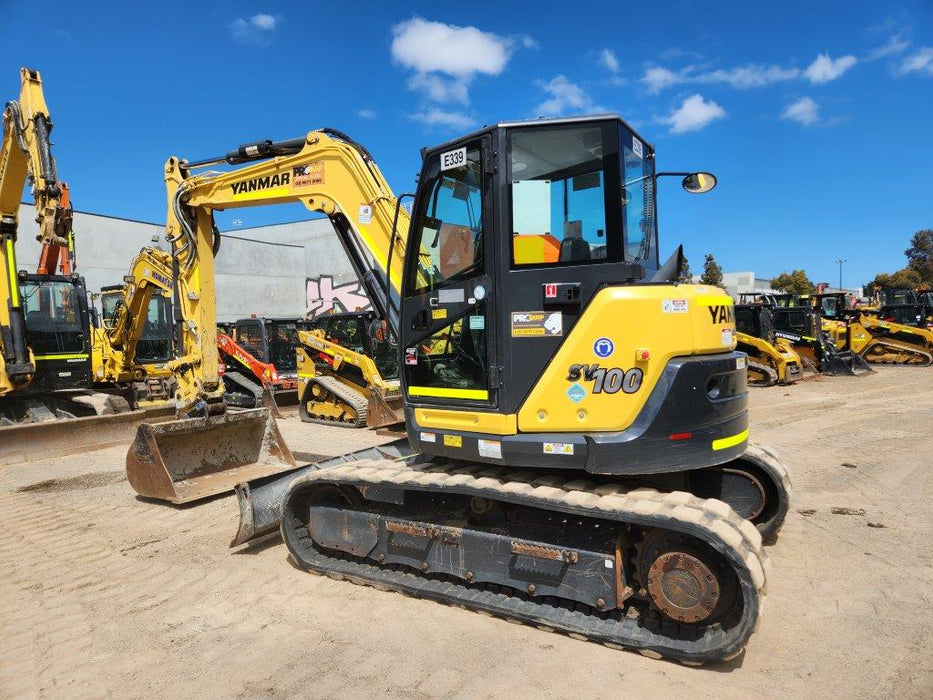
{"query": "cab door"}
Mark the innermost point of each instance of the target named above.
(447, 333)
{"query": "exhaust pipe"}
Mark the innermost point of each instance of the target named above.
(193, 458)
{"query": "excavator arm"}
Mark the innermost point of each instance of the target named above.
(212, 449)
(150, 271)
(26, 154)
(325, 171)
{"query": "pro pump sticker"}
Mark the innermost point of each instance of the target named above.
(310, 174)
(528, 324)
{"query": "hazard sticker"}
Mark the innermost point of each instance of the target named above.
(558, 448)
(727, 337)
(550, 291)
(411, 356)
(674, 306)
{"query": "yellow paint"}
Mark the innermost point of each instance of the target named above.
(474, 421)
(445, 393)
(76, 356)
(711, 300)
(453, 441)
(727, 442)
(11, 262)
(261, 194)
(439, 314)
(643, 324)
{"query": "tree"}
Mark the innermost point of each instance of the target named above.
(685, 276)
(712, 273)
(902, 279)
(795, 282)
(920, 255)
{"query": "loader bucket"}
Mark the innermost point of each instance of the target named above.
(193, 458)
(384, 409)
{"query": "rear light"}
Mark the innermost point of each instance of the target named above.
(680, 436)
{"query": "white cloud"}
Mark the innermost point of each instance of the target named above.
(657, 78)
(446, 58)
(895, 44)
(694, 114)
(440, 89)
(564, 98)
(257, 29)
(608, 58)
(366, 113)
(920, 61)
(752, 75)
(804, 111)
(824, 69)
(427, 47)
(439, 117)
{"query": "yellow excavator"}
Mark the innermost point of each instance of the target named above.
(49, 403)
(578, 420)
(771, 359)
(133, 341)
(348, 372)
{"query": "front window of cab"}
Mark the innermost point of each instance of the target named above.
(53, 317)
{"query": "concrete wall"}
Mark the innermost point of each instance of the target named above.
(289, 269)
(736, 283)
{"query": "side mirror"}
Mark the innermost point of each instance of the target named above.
(698, 183)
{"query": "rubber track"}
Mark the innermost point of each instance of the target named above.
(898, 348)
(765, 370)
(247, 385)
(354, 399)
(709, 520)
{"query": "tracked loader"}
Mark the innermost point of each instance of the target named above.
(578, 420)
(771, 360)
(348, 372)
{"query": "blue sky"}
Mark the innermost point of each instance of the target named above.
(815, 115)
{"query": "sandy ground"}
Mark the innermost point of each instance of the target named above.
(107, 595)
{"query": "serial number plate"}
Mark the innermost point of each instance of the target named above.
(453, 159)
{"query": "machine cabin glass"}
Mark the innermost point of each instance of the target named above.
(53, 311)
(283, 339)
(156, 344)
(444, 325)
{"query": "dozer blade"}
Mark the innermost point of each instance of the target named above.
(193, 458)
(384, 409)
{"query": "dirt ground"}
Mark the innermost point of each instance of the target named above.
(102, 594)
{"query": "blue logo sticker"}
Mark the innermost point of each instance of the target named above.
(603, 347)
(576, 393)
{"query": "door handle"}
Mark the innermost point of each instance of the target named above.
(420, 320)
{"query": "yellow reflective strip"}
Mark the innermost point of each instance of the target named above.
(724, 443)
(307, 375)
(76, 356)
(441, 392)
(709, 300)
(11, 263)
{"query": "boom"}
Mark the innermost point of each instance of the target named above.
(325, 171)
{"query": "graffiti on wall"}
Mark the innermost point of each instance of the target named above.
(324, 296)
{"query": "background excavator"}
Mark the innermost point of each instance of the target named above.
(48, 401)
(348, 372)
(582, 437)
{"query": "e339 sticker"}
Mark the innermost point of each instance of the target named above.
(453, 159)
(608, 380)
(603, 348)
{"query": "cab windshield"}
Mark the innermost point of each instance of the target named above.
(53, 317)
(283, 339)
(155, 345)
(638, 201)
